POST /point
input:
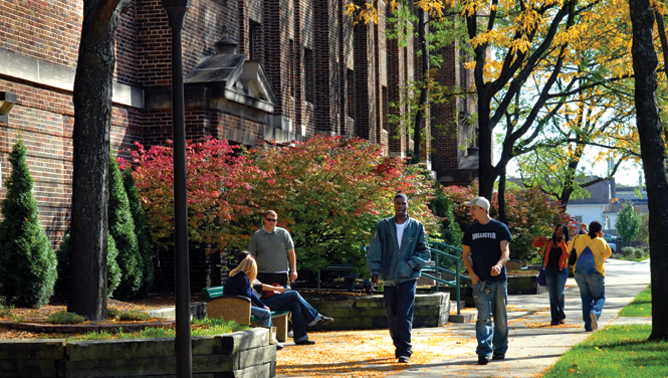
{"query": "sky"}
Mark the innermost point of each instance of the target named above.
(627, 174)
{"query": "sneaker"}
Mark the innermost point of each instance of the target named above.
(498, 356)
(483, 360)
(291, 334)
(305, 342)
(554, 322)
(594, 321)
(279, 346)
(562, 321)
(404, 359)
(324, 320)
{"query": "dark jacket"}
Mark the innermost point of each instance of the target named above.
(397, 264)
(239, 285)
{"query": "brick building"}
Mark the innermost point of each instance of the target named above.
(255, 71)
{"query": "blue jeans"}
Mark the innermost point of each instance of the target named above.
(592, 293)
(490, 299)
(263, 315)
(556, 282)
(302, 312)
(399, 305)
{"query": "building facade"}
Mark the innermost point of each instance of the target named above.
(256, 72)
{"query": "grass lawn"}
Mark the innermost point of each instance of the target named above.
(616, 351)
(641, 305)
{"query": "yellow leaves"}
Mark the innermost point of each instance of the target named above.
(434, 8)
(366, 14)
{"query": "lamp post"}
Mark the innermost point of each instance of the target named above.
(176, 10)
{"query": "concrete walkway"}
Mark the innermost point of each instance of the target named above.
(534, 345)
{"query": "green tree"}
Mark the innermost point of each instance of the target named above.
(141, 230)
(27, 261)
(122, 228)
(628, 222)
(63, 255)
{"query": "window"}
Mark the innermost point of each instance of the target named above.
(606, 222)
(578, 219)
(309, 75)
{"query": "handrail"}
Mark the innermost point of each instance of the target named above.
(437, 250)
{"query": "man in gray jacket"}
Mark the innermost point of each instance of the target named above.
(398, 253)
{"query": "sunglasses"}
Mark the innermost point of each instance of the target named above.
(270, 220)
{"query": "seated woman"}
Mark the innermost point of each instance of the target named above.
(279, 298)
(238, 283)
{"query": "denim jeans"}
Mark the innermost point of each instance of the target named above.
(490, 299)
(592, 293)
(263, 315)
(399, 305)
(556, 282)
(302, 312)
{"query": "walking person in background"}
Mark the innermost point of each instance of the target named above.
(485, 255)
(591, 250)
(583, 229)
(555, 262)
(397, 254)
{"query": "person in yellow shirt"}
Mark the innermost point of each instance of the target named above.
(592, 250)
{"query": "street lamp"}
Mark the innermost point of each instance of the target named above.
(7, 101)
(176, 10)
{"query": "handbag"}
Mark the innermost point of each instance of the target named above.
(269, 294)
(541, 276)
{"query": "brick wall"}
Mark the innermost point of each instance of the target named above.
(328, 75)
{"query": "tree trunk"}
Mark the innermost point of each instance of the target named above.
(90, 179)
(422, 105)
(502, 198)
(653, 155)
(485, 168)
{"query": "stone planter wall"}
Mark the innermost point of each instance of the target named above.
(368, 312)
(240, 354)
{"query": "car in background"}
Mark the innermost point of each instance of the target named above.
(612, 241)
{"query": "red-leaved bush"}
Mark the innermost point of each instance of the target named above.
(328, 192)
(530, 213)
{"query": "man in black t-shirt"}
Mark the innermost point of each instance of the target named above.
(485, 255)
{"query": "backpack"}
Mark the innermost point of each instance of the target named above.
(586, 264)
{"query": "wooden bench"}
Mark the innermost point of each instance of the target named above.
(238, 308)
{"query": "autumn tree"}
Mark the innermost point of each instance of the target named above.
(91, 145)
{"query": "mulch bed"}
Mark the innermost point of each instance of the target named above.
(29, 323)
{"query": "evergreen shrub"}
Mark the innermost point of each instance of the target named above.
(122, 229)
(63, 254)
(141, 230)
(27, 260)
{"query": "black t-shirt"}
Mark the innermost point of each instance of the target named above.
(485, 242)
(554, 257)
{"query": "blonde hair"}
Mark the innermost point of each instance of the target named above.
(272, 212)
(248, 266)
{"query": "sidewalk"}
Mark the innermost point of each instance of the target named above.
(534, 345)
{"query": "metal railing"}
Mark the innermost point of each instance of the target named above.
(438, 251)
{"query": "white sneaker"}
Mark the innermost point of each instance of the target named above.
(291, 334)
(594, 321)
(279, 346)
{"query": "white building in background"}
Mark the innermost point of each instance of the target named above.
(604, 202)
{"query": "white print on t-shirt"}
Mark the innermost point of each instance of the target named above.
(483, 235)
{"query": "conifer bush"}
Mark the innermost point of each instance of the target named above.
(27, 260)
(63, 255)
(122, 229)
(141, 230)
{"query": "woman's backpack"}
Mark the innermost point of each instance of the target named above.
(586, 264)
